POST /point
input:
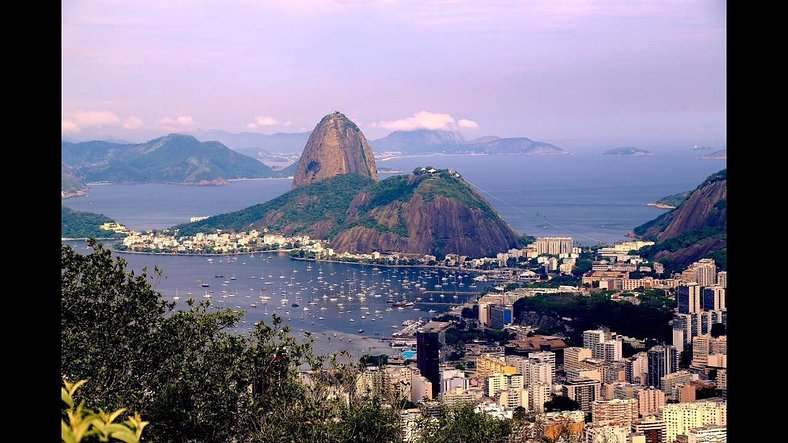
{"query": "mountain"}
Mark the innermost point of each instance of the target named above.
(70, 184)
(245, 141)
(422, 213)
(428, 212)
(317, 210)
(336, 146)
(79, 224)
(722, 154)
(628, 151)
(431, 141)
(420, 140)
(175, 158)
(696, 228)
(516, 145)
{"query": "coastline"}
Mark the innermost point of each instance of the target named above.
(448, 268)
(660, 205)
(199, 254)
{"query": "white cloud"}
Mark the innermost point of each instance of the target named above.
(133, 122)
(69, 127)
(264, 120)
(181, 121)
(467, 124)
(426, 120)
(76, 122)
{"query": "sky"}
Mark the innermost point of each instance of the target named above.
(573, 73)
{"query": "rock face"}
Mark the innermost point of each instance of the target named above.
(705, 207)
(425, 213)
(336, 146)
(696, 228)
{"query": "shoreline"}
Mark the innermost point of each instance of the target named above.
(660, 205)
(199, 254)
(448, 268)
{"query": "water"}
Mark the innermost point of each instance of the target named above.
(593, 198)
(239, 281)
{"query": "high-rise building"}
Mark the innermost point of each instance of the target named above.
(500, 315)
(650, 401)
(705, 272)
(538, 394)
(672, 383)
(593, 336)
(420, 388)
(573, 356)
(513, 397)
(609, 350)
(452, 379)
(539, 371)
(488, 365)
(637, 369)
(662, 360)
(554, 245)
(614, 412)
(708, 434)
(653, 427)
(682, 417)
(584, 391)
(722, 279)
(547, 356)
(713, 298)
(688, 298)
(429, 339)
(498, 382)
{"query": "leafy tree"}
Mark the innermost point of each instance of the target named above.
(561, 403)
(189, 376)
(462, 423)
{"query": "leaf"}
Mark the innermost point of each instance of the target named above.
(72, 388)
(126, 436)
(115, 415)
(65, 433)
(64, 395)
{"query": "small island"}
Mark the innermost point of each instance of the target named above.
(628, 151)
(722, 154)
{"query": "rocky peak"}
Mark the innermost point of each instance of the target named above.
(336, 146)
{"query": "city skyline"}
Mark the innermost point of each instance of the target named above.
(580, 74)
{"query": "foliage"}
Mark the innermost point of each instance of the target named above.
(79, 224)
(464, 333)
(674, 199)
(191, 377)
(297, 211)
(472, 312)
(84, 425)
(561, 403)
(647, 319)
(446, 185)
(686, 240)
(462, 423)
(374, 360)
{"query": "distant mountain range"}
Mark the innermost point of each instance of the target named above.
(440, 141)
(175, 158)
(250, 143)
(70, 184)
(628, 151)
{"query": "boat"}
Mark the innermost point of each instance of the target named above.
(294, 305)
(205, 285)
(360, 331)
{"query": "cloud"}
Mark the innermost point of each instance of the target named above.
(180, 121)
(426, 120)
(76, 122)
(265, 120)
(69, 127)
(133, 122)
(467, 124)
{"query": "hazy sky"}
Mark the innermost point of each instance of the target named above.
(574, 72)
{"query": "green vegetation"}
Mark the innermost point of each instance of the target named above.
(687, 240)
(447, 185)
(69, 183)
(461, 423)
(295, 212)
(463, 333)
(78, 224)
(175, 158)
(84, 425)
(649, 319)
(561, 403)
(674, 199)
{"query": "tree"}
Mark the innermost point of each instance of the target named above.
(190, 377)
(561, 403)
(462, 423)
